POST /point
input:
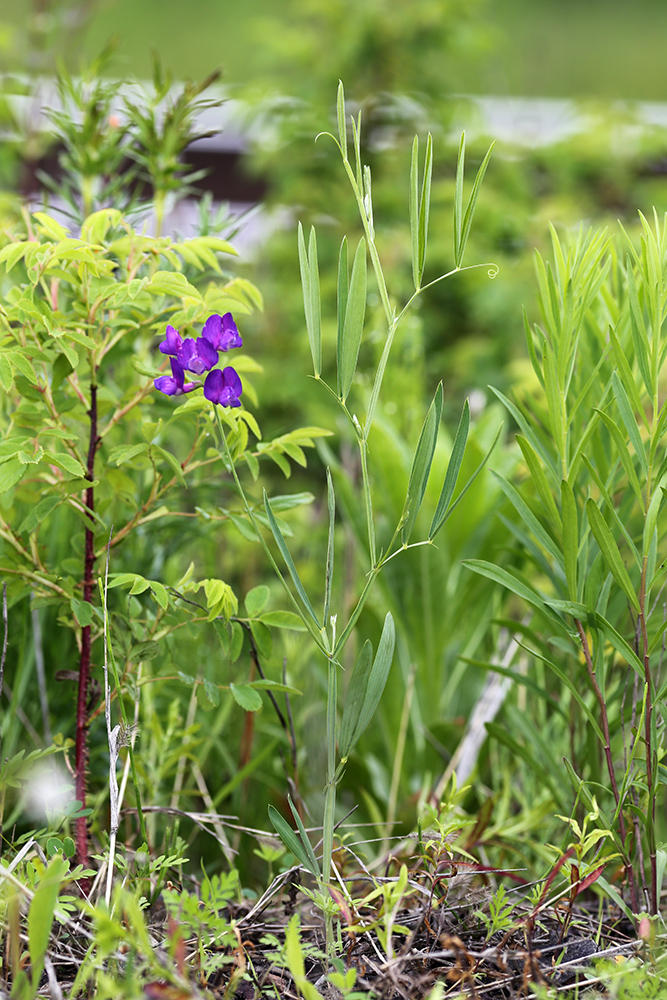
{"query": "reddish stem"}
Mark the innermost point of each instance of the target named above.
(81, 748)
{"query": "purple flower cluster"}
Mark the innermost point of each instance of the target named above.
(199, 355)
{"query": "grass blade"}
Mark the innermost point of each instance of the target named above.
(421, 465)
(353, 325)
(289, 562)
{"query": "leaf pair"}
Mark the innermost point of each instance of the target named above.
(463, 221)
(299, 845)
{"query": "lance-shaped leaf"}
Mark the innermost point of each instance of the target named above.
(304, 854)
(639, 334)
(342, 124)
(353, 324)
(570, 537)
(289, 562)
(356, 693)
(445, 508)
(516, 585)
(610, 553)
(343, 288)
(462, 223)
(453, 469)
(310, 284)
(419, 207)
(421, 465)
(328, 581)
(366, 687)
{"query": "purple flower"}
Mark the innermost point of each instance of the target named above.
(222, 332)
(174, 385)
(173, 343)
(197, 355)
(223, 387)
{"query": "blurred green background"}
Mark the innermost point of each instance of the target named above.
(553, 48)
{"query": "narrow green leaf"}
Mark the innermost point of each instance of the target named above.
(41, 914)
(328, 576)
(305, 840)
(425, 206)
(452, 474)
(625, 374)
(343, 288)
(291, 841)
(629, 421)
(452, 507)
(540, 481)
(619, 644)
(171, 461)
(623, 454)
(530, 344)
(470, 210)
(356, 694)
(421, 465)
(377, 679)
(289, 562)
(570, 537)
(310, 284)
(342, 124)
(458, 201)
(639, 335)
(609, 549)
(353, 325)
(513, 583)
(528, 519)
(413, 206)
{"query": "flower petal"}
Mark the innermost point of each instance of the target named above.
(173, 342)
(223, 387)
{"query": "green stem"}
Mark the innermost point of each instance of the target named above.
(319, 639)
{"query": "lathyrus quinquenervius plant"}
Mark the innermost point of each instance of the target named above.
(327, 633)
(592, 537)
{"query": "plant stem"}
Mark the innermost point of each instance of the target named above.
(648, 736)
(81, 748)
(330, 795)
(607, 752)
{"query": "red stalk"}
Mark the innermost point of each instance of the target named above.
(81, 748)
